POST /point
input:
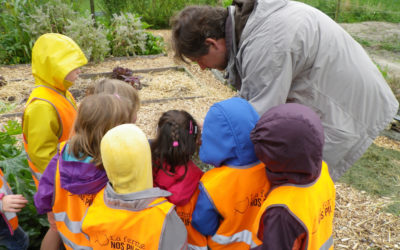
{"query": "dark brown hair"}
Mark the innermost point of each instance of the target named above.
(96, 115)
(192, 26)
(176, 141)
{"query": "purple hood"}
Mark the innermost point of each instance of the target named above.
(289, 139)
(76, 177)
(81, 178)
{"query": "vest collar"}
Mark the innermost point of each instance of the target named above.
(133, 201)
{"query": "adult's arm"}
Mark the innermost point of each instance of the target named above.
(280, 230)
(205, 217)
(273, 58)
(41, 129)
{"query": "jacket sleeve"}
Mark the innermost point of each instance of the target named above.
(174, 234)
(44, 197)
(269, 62)
(205, 218)
(41, 130)
(281, 231)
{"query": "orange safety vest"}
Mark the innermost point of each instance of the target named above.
(118, 228)
(312, 205)
(11, 219)
(69, 210)
(196, 240)
(237, 194)
(66, 112)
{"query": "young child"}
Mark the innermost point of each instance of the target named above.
(230, 194)
(75, 174)
(298, 212)
(129, 213)
(50, 110)
(173, 169)
(11, 235)
(114, 86)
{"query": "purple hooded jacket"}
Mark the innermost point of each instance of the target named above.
(78, 177)
(289, 139)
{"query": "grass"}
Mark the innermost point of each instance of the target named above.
(378, 174)
(359, 10)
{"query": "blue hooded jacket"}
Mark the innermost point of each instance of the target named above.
(226, 134)
(225, 141)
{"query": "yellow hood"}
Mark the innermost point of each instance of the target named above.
(53, 57)
(126, 156)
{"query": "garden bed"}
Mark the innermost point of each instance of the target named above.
(359, 221)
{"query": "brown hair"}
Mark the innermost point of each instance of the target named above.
(120, 88)
(192, 26)
(96, 115)
(176, 142)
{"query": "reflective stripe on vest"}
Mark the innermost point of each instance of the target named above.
(65, 110)
(244, 236)
(195, 239)
(237, 194)
(11, 219)
(110, 228)
(69, 210)
(311, 205)
(71, 245)
(193, 247)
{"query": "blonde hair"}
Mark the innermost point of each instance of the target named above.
(96, 115)
(119, 88)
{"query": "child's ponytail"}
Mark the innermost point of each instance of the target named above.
(176, 141)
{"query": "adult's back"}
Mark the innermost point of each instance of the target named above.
(292, 52)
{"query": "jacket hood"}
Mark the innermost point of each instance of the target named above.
(261, 10)
(226, 133)
(81, 178)
(182, 189)
(289, 139)
(54, 56)
(126, 156)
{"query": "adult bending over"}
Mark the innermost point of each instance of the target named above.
(280, 51)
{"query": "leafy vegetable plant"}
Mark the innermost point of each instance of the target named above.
(14, 164)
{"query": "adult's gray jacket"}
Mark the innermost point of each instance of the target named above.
(291, 52)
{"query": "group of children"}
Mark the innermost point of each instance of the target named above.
(104, 185)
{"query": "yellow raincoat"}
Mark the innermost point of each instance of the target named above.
(54, 56)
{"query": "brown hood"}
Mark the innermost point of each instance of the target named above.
(243, 9)
(289, 139)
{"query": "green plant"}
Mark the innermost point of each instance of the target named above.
(129, 37)
(92, 40)
(5, 107)
(52, 17)
(14, 164)
(15, 43)
(155, 12)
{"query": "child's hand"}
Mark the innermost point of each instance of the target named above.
(13, 203)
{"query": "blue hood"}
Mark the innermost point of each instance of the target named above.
(226, 134)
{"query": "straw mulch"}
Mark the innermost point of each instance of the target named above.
(359, 220)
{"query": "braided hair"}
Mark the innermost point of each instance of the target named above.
(176, 141)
